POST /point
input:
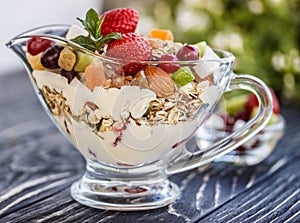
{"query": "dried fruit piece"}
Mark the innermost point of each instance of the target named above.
(70, 75)
(163, 34)
(49, 58)
(35, 61)
(67, 59)
(159, 81)
(94, 74)
(36, 45)
(122, 20)
(183, 76)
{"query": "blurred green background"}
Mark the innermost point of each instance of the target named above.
(263, 34)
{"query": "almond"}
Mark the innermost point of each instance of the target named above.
(140, 80)
(159, 81)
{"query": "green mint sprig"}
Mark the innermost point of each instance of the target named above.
(94, 41)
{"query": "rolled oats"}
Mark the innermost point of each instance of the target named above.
(56, 101)
(173, 116)
(179, 107)
(92, 118)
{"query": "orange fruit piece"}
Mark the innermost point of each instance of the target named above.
(163, 34)
(94, 74)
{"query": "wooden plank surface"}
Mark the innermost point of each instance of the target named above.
(38, 165)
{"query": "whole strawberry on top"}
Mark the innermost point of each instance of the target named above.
(115, 29)
(95, 40)
(122, 20)
(106, 27)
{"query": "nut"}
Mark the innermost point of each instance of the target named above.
(159, 81)
(140, 80)
(67, 59)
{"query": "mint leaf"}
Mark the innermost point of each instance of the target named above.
(92, 23)
(91, 16)
(85, 42)
(94, 41)
(98, 28)
(108, 38)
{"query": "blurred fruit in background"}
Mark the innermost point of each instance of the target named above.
(263, 34)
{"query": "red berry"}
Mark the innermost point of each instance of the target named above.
(36, 45)
(252, 102)
(188, 53)
(132, 47)
(242, 115)
(122, 20)
(276, 105)
(229, 122)
(133, 68)
(169, 67)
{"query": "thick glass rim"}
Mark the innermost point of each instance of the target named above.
(226, 56)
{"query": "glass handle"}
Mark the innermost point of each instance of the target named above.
(187, 160)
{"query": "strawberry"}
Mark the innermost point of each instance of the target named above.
(131, 46)
(122, 20)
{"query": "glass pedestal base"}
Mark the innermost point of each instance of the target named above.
(124, 195)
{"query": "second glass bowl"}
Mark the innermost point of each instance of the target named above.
(250, 153)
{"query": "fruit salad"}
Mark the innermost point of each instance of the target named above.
(234, 112)
(122, 97)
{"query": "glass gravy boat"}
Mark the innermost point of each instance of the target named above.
(132, 133)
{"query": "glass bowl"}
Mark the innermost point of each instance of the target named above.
(131, 128)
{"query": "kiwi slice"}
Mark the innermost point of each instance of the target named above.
(183, 76)
(83, 60)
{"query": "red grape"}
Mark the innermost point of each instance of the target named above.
(169, 67)
(188, 53)
(36, 45)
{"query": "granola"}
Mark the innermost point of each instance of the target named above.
(179, 107)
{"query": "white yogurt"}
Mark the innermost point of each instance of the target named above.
(136, 144)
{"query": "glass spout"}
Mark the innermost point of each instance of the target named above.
(17, 46)
(18, 43)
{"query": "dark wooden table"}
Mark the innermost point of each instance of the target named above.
(38, 166)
